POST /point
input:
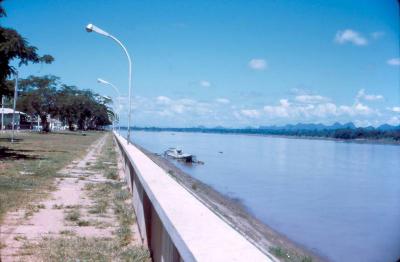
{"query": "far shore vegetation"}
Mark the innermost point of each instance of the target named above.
(384, 133)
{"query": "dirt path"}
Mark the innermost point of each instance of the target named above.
(79, 207)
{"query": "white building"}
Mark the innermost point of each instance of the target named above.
(6, 116)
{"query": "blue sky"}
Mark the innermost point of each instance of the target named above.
(226, 63)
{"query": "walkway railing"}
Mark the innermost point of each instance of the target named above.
(173, 223)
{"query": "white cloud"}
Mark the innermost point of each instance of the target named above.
(394, 121)
(251, 113)
(362, 95)
(377, 34)
(163, 100)
(362, 109)
(258, 64)
(395, 109)
(205, 83)
(312, 99)
(223, 100)
(327, 109)
(281, 110)
(301, 107)
(394, 61)
(350, 36)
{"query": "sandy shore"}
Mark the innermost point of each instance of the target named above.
(233, 212)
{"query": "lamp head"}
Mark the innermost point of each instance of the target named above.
(93, 28)
(89, 28)
(101, 81)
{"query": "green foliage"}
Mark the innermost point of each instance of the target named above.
(39, 97)
(14, 46)
(45, 95)
(83, 108)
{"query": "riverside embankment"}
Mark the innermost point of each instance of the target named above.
(325, 195)
(174, 223)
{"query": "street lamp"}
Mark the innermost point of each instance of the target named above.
(93, 28)
(104, 82)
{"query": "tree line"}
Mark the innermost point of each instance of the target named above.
(43, 96)
(46, 96)
(340, 133)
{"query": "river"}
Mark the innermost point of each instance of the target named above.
(341, 200)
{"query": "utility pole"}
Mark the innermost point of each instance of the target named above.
(15, 102)
(2, 112)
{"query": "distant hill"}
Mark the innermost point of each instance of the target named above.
(318, 127)
(336, 130)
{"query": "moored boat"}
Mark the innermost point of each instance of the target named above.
(178, 155)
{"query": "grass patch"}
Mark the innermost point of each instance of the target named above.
(122, 195)
(55, 206)
(112, 174)
(67, 233)
(29, 166)
(289, 256)
(88, 249)
(100, 194)
(31, 209)
(72, 215)
(83, 223)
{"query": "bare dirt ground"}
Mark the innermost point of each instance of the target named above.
(75, 211)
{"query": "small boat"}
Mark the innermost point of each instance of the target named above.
(178, 154)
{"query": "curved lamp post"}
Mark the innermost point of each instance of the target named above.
(93, 28)
(104, 82)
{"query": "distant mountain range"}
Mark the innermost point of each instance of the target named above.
(320, 127)
(288, 127)
(337, 130)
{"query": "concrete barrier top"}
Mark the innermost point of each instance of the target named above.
(197, 232)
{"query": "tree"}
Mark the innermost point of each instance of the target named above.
(83, 108)
(67, 105)
(14, 46)
(40, 97)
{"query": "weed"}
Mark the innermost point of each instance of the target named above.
(67, 233)
(83, 223)
(135, 254)
(288, 256)
(111, 174)
(124, 235)
(55, 206)
(122, 195)
(72, 215)
(19, 238)
(88, 249)
(100, 206)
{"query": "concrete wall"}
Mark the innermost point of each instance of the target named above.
(174, 224)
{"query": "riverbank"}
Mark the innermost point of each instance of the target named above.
(237, 216)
